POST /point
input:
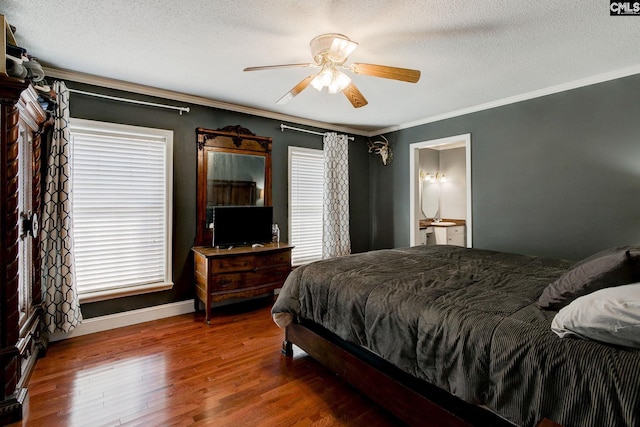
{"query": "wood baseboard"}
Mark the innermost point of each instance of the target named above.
(127, 318)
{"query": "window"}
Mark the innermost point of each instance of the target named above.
(121, 197)
(306, 169)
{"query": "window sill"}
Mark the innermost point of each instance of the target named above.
(123, 292)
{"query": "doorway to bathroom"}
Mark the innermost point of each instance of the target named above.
(440, 183)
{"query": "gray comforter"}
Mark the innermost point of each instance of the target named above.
(464, 320)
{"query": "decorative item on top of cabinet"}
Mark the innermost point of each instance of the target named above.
(22, 123)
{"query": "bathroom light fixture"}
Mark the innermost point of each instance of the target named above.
(435, 178)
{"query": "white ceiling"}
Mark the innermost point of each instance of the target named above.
(471, 53)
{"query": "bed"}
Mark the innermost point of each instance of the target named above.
(457, 336)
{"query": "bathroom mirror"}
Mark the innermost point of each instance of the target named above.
(234, 169)
(430, 199)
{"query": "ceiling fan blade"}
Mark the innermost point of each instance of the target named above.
(395, 73)
(354, 96)
(273, 67)
(295, 91)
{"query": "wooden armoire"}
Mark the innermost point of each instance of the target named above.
(22, 124)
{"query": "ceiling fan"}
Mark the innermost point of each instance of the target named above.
(330, 53)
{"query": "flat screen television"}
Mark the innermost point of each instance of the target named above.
(241, 225)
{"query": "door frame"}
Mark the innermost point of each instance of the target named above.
(414, 183)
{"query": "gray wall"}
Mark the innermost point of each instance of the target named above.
(555, 176)
(184, 177)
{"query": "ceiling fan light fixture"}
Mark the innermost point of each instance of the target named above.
(332, 46)
(335, 81)
(340, 49)
(323, 78)
(339, 83)
(316, 83)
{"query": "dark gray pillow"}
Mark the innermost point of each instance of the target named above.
(611, 267)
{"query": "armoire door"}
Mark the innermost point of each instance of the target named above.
(22, 122)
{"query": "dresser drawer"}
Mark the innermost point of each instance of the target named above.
(248, 279)
(248, 262)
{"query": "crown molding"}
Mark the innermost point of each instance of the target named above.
(191, 99)
(600, 78)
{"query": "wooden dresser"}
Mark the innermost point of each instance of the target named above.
(240, 272)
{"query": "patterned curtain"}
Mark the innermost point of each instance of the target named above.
(62, 307)
(335, 236)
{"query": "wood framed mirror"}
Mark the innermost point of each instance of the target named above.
(234, 169)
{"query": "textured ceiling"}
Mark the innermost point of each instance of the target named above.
(470, 53)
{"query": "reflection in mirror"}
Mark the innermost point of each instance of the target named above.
(234, 179)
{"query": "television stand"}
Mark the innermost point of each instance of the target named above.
(239, 272)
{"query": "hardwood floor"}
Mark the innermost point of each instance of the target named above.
(179, 371)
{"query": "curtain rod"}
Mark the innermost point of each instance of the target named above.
(132, 101)
(283, 127)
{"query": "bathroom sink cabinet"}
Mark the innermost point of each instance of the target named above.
(453, 235)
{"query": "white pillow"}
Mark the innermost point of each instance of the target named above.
(610, 315)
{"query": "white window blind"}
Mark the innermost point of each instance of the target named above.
(121, 197)
(306, 167)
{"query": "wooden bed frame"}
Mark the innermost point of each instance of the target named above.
(412, 401)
